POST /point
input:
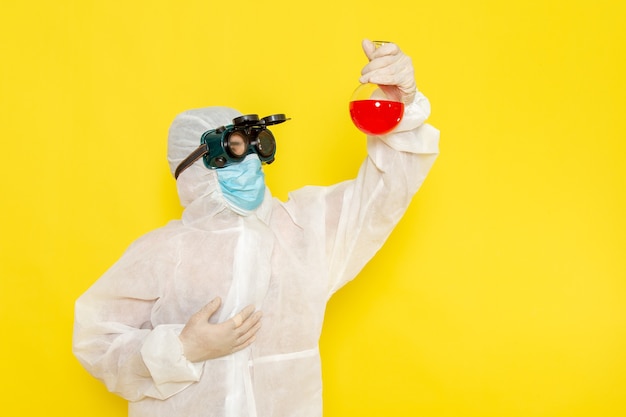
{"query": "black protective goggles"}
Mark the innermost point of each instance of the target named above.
(230, 144)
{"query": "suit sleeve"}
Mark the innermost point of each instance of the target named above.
(361, 213)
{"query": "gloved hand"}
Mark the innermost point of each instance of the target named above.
(203, 340)
(391, 69)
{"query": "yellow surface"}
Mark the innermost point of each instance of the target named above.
(502, 293)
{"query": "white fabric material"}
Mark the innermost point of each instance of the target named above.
(286, 258)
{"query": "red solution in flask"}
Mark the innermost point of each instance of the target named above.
(376, 117)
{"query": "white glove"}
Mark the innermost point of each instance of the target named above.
(391, 69)
(202, 340)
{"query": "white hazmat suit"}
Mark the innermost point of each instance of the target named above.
(285, 258)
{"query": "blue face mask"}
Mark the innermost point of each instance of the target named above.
(243, 184)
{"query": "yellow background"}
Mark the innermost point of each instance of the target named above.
(500, 294)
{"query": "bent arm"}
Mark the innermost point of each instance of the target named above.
(362, 213)
(114, 338)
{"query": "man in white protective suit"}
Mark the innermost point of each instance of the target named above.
(174, 326)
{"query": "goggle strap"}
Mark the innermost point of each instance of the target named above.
(193, 157)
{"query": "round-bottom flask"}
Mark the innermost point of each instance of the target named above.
(372, 111)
